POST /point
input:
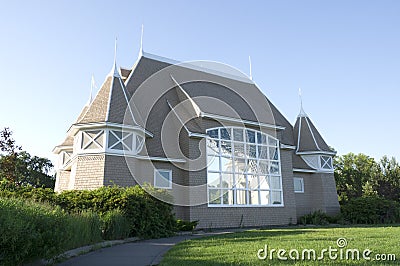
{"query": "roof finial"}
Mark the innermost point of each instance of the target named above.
(141, 41)
(251, 75)
(115, 69)
(92, 86)
(302, 113)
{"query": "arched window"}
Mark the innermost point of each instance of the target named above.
(243, 168)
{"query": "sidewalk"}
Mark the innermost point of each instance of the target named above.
(140, 253)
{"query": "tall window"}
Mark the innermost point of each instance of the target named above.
(243, 168)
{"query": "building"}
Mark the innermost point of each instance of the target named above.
(208, 135)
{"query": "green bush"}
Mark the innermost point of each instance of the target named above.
(182, 225)
(115, 225)
(149, 217)
(371, 210)
(316, 218)
(32, 231)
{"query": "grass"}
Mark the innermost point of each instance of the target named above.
(242, 248)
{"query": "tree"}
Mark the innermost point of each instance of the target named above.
(20, 168)
(355, 176)
(388, 182)
(8, 162)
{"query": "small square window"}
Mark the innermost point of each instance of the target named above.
(298, 185)
(162, 178)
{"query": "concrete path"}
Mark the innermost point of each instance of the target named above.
(140, 253)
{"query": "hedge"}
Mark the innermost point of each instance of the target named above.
(31, 230)
(148, 217)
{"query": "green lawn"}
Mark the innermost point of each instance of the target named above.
(242, 248)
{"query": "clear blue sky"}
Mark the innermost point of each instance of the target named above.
(345, 55)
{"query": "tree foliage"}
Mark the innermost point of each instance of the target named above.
(19, 167)
(362, 176)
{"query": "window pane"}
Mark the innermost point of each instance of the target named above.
(128, 141)
(276, 197)
(252, 181)
(274, 168)
(213, 163)
(240, 165)
(254, 197)
(272, 142)
(213, 133)
(111, 139)
(264, 197)
(275, 182)
(240, 181)
(227, 180)
(227, 197)
(263, 167)
(264, 183)
(162, 179)
(225, 134)
(250, 136)
(226, 148)
(212, 147)
(252, 166)
(241, 197)
(238, 134)
(273, 153)
(213, 180)
(238, 149)
(262, 152)
(227, 164)
(118, 134)
(298, 184)
(214, 196)
(251, 151)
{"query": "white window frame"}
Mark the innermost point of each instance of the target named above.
(259, 190)
(156, 171)
(302, 184)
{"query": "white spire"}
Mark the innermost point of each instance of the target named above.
(92, 86)
(251, 75)
(302, 113)
(114, 70)
(141, 42)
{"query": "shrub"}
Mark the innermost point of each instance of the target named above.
(31, 231)
(371, 210)
(186, 225)
(316, 218)
(115, 225)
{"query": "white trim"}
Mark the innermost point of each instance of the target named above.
(170, 178)
(127, 100)
(121, 154)
(298, 137)
(195, 106)
(197, 68)
(312, 133)
(109, 98)
(177, 116)
(287, 147)
(302, 185)
(238, 120)
(304, 170)
(108, 125)
(316, 152)
(197, 135)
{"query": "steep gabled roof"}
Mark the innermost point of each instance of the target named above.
(306, 136)
(111, 103)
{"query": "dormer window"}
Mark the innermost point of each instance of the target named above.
(326, 162)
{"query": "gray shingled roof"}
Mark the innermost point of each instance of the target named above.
(307, 138)
(146, 67)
